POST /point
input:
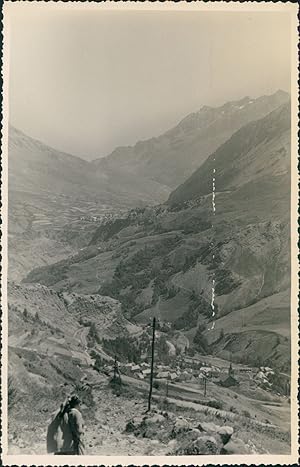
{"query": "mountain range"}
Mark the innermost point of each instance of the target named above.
(51, 194)
(130, 176)
(164, 260)
(173, 156)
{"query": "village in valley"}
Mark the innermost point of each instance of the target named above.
(197, 371)
(203, 380)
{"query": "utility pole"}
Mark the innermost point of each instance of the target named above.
(204, 386)
(116, 370)
(152, 366)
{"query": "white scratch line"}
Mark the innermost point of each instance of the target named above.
(212, 244)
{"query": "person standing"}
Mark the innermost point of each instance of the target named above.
(76, 425)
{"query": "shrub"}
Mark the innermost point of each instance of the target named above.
(247, 414)
(93, 336)
(172, 291)
(156, 384)
(215, 404)
(124, 348)
(163, 404)
(225, 282)
(200, 340)
(12, 393)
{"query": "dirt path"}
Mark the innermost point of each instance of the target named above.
(82, 333)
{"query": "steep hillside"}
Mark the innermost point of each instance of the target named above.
(172, 157)
(54, 199)
(259, 149)
(51, 336)
(37, 168)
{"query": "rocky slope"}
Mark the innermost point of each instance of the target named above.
(167, 430)
(50, 348)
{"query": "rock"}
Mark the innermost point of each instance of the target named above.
(206, 443)
(225, 433)
(156, 418)
(130, 427)
(206, 426)
(202, 445)
(193, 434)
(181, 425)
(133, 424)
(235, 446)
(172, 444)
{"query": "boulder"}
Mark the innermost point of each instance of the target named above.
(206, 426)
(181, 425)
(235, 446)
(172, 444)
(154, 419)
(133, 424)
(193, 434)
(154, 441)
(225, 433)
(203, 445)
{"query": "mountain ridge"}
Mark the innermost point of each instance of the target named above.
(277, 123)
(187, 145)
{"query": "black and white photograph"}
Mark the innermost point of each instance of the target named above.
(149, 235)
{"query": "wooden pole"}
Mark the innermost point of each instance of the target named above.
(115, 368)
(152, 366)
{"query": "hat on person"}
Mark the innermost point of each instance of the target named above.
(74, 400)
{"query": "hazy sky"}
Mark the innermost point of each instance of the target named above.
(86, 82)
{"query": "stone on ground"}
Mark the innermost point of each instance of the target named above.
(235, 446)
(225, 433)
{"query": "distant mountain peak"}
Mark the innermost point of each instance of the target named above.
(281, 92)
(234, 167)
(172, 157)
